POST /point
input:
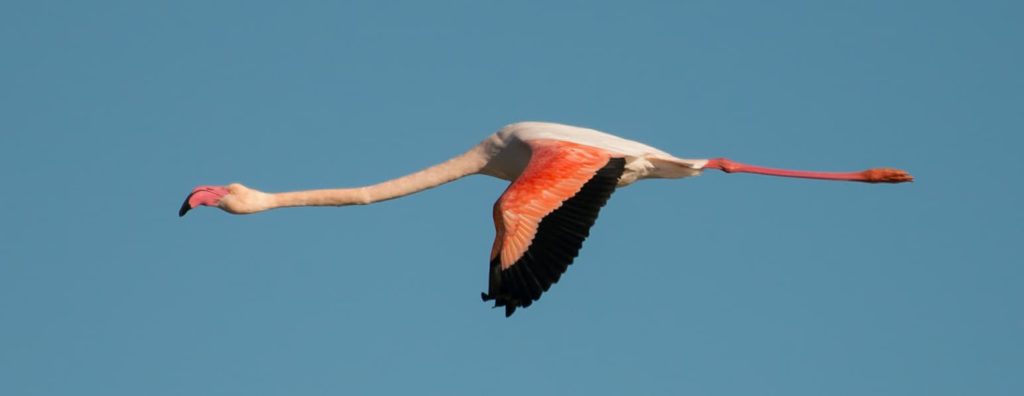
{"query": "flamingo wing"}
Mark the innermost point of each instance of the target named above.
(543, 217)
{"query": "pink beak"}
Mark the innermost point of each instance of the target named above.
(203, 196)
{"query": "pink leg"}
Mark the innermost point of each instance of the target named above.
(876, 175)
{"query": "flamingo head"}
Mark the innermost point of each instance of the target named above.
(233, 198)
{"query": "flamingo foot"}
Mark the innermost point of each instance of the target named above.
(886, 175)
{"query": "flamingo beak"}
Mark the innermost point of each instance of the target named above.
(202, 196)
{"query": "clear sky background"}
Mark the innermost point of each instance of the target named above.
(112, 111)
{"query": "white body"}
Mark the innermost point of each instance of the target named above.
(509, 154)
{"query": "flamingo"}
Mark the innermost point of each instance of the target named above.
(561, 176)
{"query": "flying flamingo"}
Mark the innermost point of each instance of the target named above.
(561, 177)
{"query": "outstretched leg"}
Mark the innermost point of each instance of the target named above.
(875, 175)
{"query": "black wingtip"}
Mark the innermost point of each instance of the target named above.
(185, 207)
(510, 306)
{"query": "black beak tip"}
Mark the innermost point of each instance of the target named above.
(184, 207)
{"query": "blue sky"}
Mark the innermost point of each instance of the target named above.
(716, 285)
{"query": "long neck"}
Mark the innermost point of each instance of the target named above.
(466, 164)
(875, 175)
